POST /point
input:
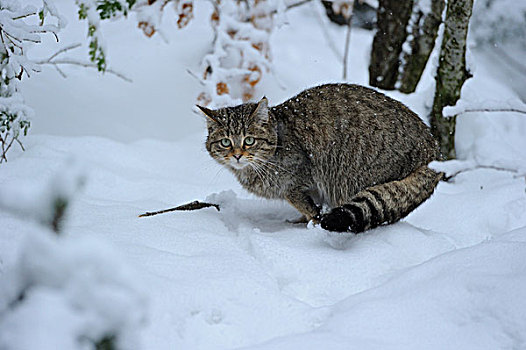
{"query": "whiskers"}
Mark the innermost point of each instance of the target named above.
(266, 170)
(272, 166)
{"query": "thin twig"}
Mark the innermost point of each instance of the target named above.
(347, 41)
(291, 6)
(195, 76)
(515, 110)
(195, 205)
(52, 60)
(8, 147)
(89, 65)
(61, 72)
(296, 4)
(515, 171)
(24, 16)
(3, 157)
(326, 34)
(20, 144)
(63, 50)
(57, 62)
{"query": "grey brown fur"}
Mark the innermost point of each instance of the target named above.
(352, 148)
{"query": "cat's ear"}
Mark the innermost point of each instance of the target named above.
(209, 113)
(261, 111)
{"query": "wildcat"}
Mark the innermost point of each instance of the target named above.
(344, 146)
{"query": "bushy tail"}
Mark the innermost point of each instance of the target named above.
(383, 204)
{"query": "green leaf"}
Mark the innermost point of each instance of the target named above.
(96, 55)
(106, 343)
(109, 8)
(41, 16)
(91, 30)
(83, 11)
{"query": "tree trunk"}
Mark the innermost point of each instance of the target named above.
(393, 17)
(451, 73)
(424, 33)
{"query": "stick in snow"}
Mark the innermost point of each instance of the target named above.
(195, 205)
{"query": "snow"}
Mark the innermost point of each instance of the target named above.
(35, 199)
(462, 106)
(450, 275)
(463, 299)
(76, 290)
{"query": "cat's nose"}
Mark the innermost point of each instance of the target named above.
(238, 156)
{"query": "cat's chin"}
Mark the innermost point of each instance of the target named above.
(238, 166)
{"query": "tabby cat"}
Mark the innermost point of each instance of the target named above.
(344, 146)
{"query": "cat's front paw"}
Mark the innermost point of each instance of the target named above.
(315, 220)
(301, 220)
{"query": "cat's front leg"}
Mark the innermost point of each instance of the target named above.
(300, 200)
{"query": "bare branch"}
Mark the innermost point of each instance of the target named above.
(5, 149)
(52, 60)
(514, 110)
(299, 3)
(515, 171)
(56, 62)
(195, 76)
(20, 144)
(195, 205)
(61, 72)
(63, 50)
(322, 19)
(24, 16)
(347, 41)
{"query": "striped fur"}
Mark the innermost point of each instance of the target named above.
(340, 146)
(383, 204)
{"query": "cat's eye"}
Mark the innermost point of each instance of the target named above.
(226, 142)
(249, 141)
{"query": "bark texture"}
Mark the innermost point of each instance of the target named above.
(424, 34)
(451, 73)
(393, 17)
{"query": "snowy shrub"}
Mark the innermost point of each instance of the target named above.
(20, 27)
(69, 293)
(93, 11)
(240, 53)
(64, 292)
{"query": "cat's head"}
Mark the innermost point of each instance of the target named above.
(242, 135)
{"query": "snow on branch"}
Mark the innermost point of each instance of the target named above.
(463, 107)
(240, 54)
(452, 168)
(20, 27)
(241, 50)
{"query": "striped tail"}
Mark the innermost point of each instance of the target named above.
(383, 204)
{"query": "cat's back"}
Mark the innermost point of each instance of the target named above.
(359, 128)
(352, 105)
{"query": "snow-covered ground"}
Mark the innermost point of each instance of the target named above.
(451, 275)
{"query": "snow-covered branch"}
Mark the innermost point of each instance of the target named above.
(453, 168)
(240, 53)
(20, 27)
(463, 107)
(241, 50)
